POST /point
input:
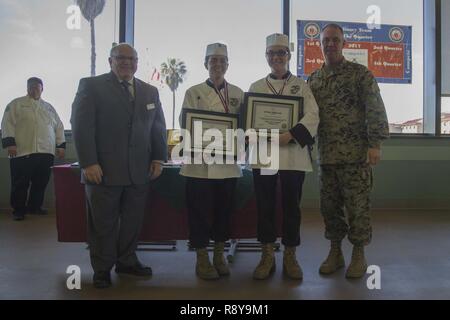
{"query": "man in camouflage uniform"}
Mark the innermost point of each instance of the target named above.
(353, 123)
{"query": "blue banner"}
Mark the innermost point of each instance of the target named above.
(385, 49)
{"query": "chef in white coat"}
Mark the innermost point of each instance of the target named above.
(210, 188)
(294, 161)
(32, 133)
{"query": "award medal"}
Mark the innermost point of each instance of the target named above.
(272, 88)
(223, 98)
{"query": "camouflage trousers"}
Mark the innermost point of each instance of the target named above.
(345, 202)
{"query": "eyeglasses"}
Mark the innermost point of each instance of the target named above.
(125, 58)
(280, 53)
(221, 60)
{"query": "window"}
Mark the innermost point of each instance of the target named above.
(404, 102)
(43, 38)
(51, 40)
(445, 64)
(445, 115)
(445, 26)
(182, 29)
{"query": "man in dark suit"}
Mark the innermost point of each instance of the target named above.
(120, 136)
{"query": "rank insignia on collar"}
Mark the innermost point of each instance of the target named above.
(234, 102)
(295, 89)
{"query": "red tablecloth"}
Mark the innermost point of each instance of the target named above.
(164, 220)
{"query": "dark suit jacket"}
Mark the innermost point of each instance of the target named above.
(110, 131)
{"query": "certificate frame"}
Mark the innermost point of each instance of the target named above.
(225, 120)
(291, 106)
(173, 137)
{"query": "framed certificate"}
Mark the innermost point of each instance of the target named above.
(224, 141)
(268, 111)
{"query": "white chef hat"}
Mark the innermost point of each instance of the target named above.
(277, 39)
(218, 49)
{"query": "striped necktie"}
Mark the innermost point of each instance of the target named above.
(127, 87)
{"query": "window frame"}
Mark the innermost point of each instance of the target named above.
(432, 60)
(432, 67)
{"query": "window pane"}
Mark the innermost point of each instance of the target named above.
(43, 38)
(445, 46)
(404, 102)
(445, 115)
(182, 29)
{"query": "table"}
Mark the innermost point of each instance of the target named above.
(165, 216)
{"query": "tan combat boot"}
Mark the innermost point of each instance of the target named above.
(204, 268)
(335, 259)
(219, 261)
(266, 265)
(358, 265)
(291, 268)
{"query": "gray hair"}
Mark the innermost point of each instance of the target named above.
(115, 48)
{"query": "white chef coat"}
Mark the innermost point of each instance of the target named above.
(292, 156)
(204, 97)
(34, 125)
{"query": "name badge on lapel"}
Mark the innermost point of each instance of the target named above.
(150, 106)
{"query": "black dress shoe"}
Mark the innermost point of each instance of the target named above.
(102, 279)
(39, 211)
(18, 215)
(138, 270)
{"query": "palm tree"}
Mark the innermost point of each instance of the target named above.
(90, 9)
(174, 72)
